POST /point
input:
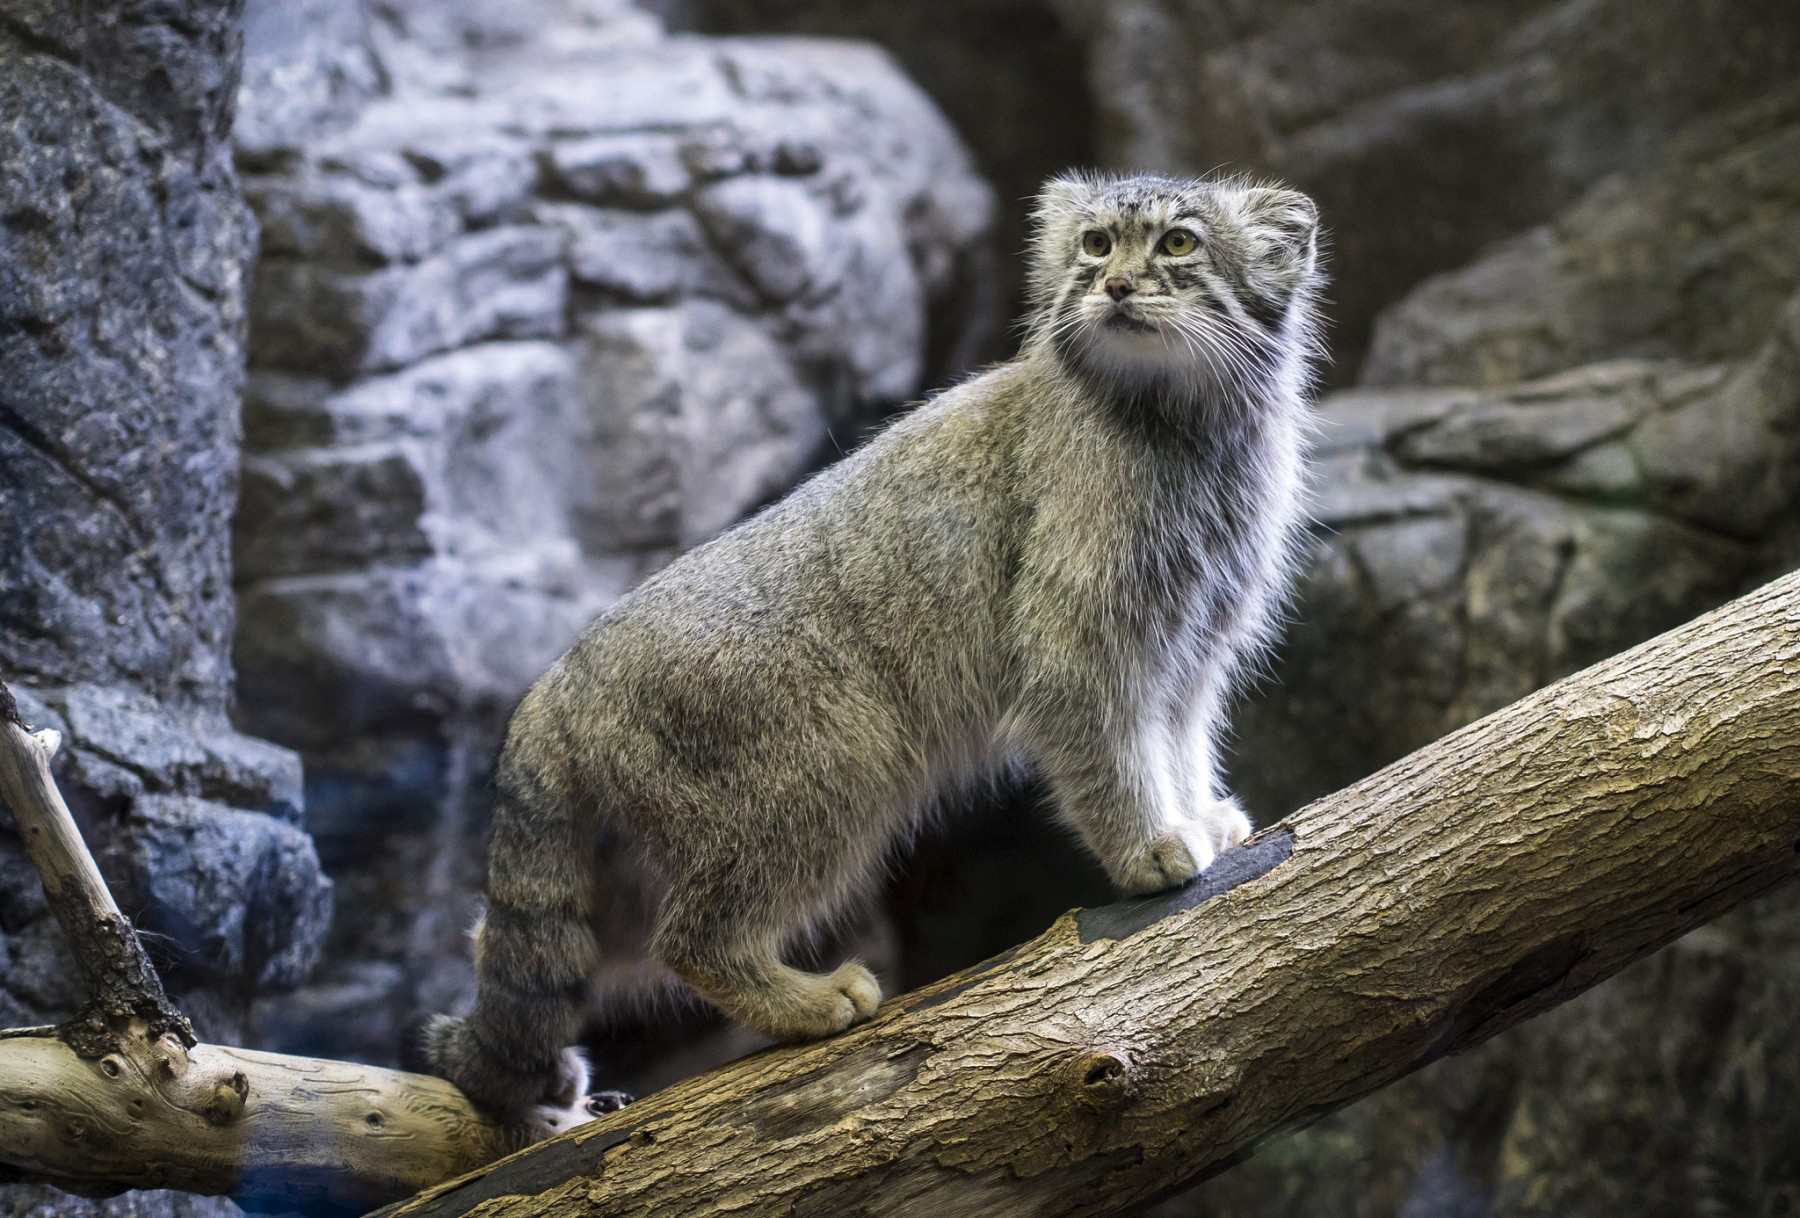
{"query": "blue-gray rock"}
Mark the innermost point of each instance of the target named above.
(234, 898)
(123, 247)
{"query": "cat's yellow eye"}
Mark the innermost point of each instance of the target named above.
(1096, 244)
(1178, 241)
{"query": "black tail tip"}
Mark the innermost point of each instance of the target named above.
(599, 1103)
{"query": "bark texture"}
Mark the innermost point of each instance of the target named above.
(1132, 1050)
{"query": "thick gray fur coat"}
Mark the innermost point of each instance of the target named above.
(1064, 560)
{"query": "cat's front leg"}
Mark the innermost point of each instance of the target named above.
(1193, 733)
(1203, 827)
(1191, 824)
(1123, 792)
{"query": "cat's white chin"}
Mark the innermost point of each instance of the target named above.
(1135, 357)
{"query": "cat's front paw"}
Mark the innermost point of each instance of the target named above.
(1182, 851)
(563, 1103)
(1225, 822)
(1169, 860)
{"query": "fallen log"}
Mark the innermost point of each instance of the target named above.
(1134, 1049)
(275, 1132)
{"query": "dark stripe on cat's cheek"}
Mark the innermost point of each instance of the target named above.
(1064, 342)
(1228, 271)
(1210, 298)
(1181, 278)
(1266, 307)
(1265, 310)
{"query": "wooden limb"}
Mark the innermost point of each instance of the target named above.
(124, 989)
(122, 1097)
(274, 1132)
(1133, 1050)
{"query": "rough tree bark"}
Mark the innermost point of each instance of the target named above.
(1134, 1049)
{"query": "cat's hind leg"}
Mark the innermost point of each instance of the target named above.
(723, 932)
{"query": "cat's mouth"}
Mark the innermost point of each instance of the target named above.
(1124, 318)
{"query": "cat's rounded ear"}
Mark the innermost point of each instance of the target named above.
(1056, 215)
(1066, 194)
(1288, 218)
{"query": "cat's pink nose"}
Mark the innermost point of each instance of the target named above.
(1118, 287)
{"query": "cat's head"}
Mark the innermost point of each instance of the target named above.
(1142, 278)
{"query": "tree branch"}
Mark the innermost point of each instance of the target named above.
(273, 1132)
(1133, 1050)
(123, 985)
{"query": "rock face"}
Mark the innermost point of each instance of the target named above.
(1688, 258)
(1425, 132)
(124, 244)
(121, 306)
(539, 304)
(1477, 545)
(1008, 73)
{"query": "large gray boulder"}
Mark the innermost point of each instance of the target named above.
(1010, 74)
(1475, 545)
(561, 298)
(124, 247)
(1686, 259)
